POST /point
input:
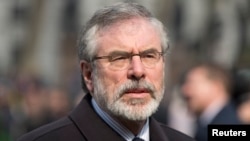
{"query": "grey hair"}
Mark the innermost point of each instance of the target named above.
(109, 15)
(106, 17)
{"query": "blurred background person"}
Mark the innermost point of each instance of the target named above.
(207, 90)
(32, 103)
(244, 108)
(241, 94)
(58, 103)
(5, 115)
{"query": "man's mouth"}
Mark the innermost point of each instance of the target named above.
(137, 93)
(137, 90)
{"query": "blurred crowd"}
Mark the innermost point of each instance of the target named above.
(39, 74)
(26, 103)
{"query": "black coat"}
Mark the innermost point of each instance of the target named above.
(83, 124)
(227, 115)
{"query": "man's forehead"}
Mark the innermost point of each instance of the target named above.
(128, 26)
(130, 35)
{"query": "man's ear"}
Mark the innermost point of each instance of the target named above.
(86, 72)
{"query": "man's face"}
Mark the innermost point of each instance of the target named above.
(198, 90)
(133, 93)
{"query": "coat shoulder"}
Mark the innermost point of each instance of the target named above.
(60, 130)
(173, 134)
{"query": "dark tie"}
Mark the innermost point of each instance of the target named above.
(137, 139)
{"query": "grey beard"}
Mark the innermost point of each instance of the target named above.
(134, 109)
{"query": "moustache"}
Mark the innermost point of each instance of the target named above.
(135, 85)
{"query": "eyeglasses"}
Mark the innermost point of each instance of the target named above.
(119, 60)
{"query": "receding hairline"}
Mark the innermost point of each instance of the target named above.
(120, 23)
(117, 12)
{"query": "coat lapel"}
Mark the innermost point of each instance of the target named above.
(156, 132)
(91, 126)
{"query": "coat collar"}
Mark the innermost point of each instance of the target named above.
(93, 128)
(156, 132)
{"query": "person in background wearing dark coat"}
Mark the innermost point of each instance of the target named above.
(241, 93)
(207, 88)
(121, 53)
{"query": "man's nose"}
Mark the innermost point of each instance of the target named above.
(136, 69)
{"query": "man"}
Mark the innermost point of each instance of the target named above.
(121, 57)
(207, 90)
(241, 94)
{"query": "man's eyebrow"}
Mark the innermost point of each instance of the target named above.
(149, 50)
(118, 52)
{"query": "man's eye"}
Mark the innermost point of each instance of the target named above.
(117, 58)
(149, 55)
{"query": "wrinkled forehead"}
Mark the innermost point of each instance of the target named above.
(128, 34)
(128, 26)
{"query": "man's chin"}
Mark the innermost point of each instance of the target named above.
(134, 110)
(136, 101)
